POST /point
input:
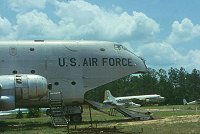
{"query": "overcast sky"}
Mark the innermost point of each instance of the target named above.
(165, 32)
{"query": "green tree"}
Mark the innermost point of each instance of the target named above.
(174, 85)
(182, 83)
(34, 113)
(174, 81)
(164, 86)
(19, 114)
(193, 85)
(148, 82)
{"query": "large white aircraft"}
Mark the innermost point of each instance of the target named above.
(192, 102)
(72, 68)
(128, 100)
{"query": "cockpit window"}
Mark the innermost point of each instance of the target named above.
(119, 47)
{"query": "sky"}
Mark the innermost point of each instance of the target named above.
(166, 33)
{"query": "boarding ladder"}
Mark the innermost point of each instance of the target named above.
(57, 110)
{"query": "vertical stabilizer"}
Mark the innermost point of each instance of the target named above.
(184, 102)
(108, 96)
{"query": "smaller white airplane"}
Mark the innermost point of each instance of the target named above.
(127, 101)
(192, 102)
(15, 111)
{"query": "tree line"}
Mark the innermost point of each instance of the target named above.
(173, 84)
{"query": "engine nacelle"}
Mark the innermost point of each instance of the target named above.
(30, 87)
(21, 87)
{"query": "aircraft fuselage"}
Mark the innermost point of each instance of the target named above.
(73, 67)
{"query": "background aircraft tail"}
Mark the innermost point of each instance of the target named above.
(184, 102)
(108, 96)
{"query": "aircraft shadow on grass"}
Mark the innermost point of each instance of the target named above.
(13, 126)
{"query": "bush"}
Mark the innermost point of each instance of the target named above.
(19, 114)
(34, 113)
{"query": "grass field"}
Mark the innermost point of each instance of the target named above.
(168, 120)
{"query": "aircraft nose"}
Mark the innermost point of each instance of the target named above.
(144, 65)
(140, 64)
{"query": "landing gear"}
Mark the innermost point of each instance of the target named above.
(76, 118)
(74, 113)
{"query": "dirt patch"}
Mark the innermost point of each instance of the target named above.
(169, 120)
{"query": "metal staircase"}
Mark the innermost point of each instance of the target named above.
(57, 110)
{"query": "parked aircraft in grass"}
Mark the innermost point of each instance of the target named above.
(192, 102)
(15, 111)
(72, 68)
(127, 101)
